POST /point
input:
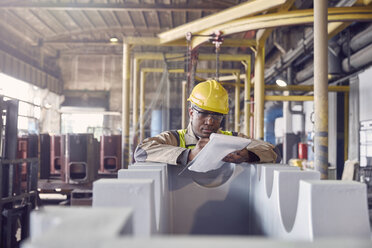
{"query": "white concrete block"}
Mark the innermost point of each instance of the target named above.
(167, 199)
(153, 165)
(156, 175)
(280, 213)
(54, 226)
(331, 209)
(261, 185)
(135, 193)
(203, 210)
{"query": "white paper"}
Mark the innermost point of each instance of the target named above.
(219, 145)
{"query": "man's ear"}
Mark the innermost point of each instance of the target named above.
(190, 112)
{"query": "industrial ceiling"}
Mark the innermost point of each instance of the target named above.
(39, 32)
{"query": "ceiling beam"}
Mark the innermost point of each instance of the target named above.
(286, 18)
(144, 41)
(110, 7)
(116, 29)
(154, 41)
(245, 9)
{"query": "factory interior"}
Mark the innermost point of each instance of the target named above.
(83, 82)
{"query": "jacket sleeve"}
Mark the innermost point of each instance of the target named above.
(162, 148)
(265, 151)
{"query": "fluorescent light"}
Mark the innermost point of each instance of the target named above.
(281, 82)
(114, 40)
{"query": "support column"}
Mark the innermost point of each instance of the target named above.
(237, 102)
(346, 125)
(259, 91)
(142, 105)
(321, 87)
(184, 104)
(247, 97)
(125, 107)
(136, 71)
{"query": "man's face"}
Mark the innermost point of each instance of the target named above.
(203, 122)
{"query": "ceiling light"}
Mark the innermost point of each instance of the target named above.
(114, 40)
(281, 82)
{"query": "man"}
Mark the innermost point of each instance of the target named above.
(209, 103)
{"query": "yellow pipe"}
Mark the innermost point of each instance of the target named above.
(181, 56)
(284, 18)
(232, 84)
(125, 106)
(289, 98)
(136, 70)
(308, 88)
(184, 105)
(142, 104)
(155, 41)
(259, 92)
(238, 11)
(223, 71)
(160, 56)
(247, 97)
(237, 103)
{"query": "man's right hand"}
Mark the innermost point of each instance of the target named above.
(198, 147)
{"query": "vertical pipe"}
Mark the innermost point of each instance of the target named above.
(251, 119)
(259, 91)
(136, 70)
(288, 139)
(346, 125)
(142, 105)
(125, 106)
(184, 104)
(247, 96)
(237, 103)
(321, 87)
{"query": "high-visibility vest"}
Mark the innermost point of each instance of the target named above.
(180, 135)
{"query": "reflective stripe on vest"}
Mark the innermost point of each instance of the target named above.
(182, 132)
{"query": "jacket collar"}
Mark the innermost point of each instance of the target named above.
(190, 137)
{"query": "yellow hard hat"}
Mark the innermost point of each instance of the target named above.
(211, 96)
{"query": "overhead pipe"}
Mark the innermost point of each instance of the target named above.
(358, 59)
(303, 45)
(334, 64)
(359, 41)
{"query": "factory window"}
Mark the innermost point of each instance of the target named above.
(82, 120)
(29, 105)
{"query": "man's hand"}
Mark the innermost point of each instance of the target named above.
(238, 157)
(198, 147)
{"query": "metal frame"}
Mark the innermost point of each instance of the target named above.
(17, 197)
(144, 71)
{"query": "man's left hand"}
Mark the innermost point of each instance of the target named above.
(237, 156)
(241, 156)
